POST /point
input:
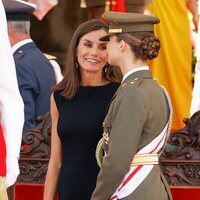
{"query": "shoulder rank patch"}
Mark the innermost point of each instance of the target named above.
(20, 53)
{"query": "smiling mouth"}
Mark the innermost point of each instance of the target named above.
(91, 60)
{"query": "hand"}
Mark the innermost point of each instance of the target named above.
(12, 170)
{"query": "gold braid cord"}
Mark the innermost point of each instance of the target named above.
(170, 117)
(99, 152)
(3, 192)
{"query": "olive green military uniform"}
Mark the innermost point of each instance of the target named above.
(96, 7)
(137, 114)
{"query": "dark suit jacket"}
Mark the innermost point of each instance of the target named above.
(35, 77)
(137, 114)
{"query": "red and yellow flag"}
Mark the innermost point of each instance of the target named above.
(115, 5)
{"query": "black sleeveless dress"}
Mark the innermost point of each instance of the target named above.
(80, 129)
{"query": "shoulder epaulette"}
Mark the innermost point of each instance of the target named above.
(49, 57)
(130, 82)
(20, 53)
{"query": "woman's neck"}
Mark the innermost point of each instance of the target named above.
(93, 79)
(128, 65)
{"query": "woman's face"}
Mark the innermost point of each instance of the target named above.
(92, 53)
(113, 50)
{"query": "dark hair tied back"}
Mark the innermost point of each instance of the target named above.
(150, 46)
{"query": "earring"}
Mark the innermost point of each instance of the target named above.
(77, 65)
(106, 67)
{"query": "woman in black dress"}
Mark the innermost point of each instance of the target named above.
(78, 107)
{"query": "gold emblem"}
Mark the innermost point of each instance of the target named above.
(115, 30)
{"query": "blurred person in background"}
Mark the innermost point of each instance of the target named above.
(11, 112)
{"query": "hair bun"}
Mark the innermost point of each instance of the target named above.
(150, 46)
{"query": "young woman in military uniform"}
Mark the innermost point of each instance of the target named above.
(138, 120)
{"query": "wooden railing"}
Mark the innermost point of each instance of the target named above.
(180, 161)
(34, 156)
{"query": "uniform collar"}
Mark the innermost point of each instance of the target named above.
(19, 44)
(137, 75)
(135, 70)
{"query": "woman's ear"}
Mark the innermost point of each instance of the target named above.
(122, 45)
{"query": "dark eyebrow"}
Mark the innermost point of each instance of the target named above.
(101, 42)
(104, 43)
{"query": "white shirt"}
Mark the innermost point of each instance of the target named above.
(135, 70)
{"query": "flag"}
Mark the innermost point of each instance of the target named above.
(43, 7)
(115, 5)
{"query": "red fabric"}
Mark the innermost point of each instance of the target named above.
(35, 191)
(2, 153)
(118, 5)
(25, 147)
(29, 192)
(115, 5)
(186, 193)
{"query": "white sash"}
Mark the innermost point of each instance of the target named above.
(138, 173)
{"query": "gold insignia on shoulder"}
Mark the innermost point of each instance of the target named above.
(49, 57)
(123, 85)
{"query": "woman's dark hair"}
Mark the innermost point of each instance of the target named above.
(144, 45)
(70, 84)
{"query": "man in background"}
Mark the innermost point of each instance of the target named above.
(35, 73)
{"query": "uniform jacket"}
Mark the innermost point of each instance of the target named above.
(91, 3)
(35, 77)
(138, 113)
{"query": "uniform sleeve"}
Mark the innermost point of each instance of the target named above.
(29, 91)
(128, 120)
(11, 104)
